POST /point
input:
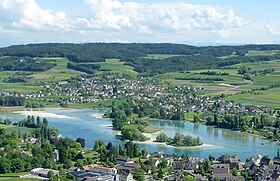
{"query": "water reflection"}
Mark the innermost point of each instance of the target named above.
(196, 127)
(223, 141)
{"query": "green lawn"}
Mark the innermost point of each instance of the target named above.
(10, 128)
(16, 177)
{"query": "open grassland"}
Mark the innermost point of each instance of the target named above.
(115, 66)
(18, 87)
(16, 177)
(266, 80)
(274, 64)
(230, 84)
(161, 56)
(269, 98)
(10, 128)
(57, 73)
(262, 53)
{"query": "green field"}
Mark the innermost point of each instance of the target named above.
(36, 79)
(269, 98)
(114, 65)
(161, 56)
(232, 83)
(10, 128)
(58, 73)
(274, 64)
(263, 53)
(16, 177)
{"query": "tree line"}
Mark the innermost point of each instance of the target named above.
(87, 68)
(11, 101)
(191, 62)
(25, 64)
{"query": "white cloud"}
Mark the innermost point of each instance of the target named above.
(173, 16)
(127, 21)
(269, 30)
(27, 14)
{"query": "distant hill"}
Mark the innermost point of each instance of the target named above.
(190, 57)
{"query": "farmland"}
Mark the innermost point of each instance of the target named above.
(229, 83)
(114, 65)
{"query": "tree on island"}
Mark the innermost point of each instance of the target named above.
(179, 140)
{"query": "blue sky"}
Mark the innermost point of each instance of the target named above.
(197, 22)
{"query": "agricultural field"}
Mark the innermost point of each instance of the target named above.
(10, 128)
(161, 56)
(269, 98)
(263, 53)
(36, 79)
(274, 64)
(232, 83)
(116, 66)
(58, 73)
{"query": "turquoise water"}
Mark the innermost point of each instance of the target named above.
(84, 124)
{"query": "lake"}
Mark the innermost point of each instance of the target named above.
(88, 124)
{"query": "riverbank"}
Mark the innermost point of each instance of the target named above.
(42, 113)
(97, 115)
(152, 140)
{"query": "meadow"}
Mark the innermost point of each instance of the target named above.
(10, 128)
(16, 177)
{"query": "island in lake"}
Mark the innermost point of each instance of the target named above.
(179, 140)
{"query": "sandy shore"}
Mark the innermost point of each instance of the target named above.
(43, 114)
(97, 115)
(152, 141)
(153, 138)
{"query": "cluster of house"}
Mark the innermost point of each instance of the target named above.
(264, 168)
(224, 107)
(122, 171)
(100, 88)
(223, 167)
(259, 167)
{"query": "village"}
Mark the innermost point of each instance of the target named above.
(224, 168)
(109, 87)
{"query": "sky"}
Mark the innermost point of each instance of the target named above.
(195, 22)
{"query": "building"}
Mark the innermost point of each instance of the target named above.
(123, 160)
(99, 169)
(222, 173)
(41, 172)
(56, 155)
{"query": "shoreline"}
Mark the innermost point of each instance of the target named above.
(152, 141)
(42, 113)
(97, 115)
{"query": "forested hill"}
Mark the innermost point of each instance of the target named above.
(99, 51)
(135, 54)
